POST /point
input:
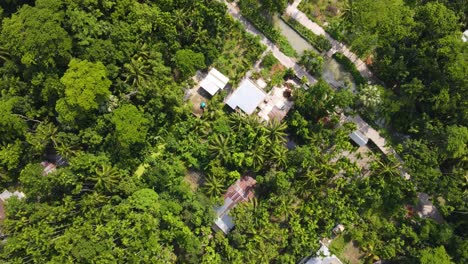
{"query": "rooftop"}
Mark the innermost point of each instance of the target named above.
(214, 81)
(48, 167)
(247, 97)
(324, 257)
(240, 191)
(359, 138)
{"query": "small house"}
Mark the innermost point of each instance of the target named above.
(214, 82)
(465, 36)
(247, 97)
(240, 191)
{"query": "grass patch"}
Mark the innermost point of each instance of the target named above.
(321, 11)
(240, 51)
(320, 42)
(349, 66)
(346, 250)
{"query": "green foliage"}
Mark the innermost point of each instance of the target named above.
(188, 61)
(118, 107)
(434, 255)
(312, 62)
(86, 89)
(131, 126)
(269, 61)
(34, 36)
(349, 66)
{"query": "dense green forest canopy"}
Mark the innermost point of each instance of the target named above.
(100, 84)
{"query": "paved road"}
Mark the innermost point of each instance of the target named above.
(282, 58)
(300, 17)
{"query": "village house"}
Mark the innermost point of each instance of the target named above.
(241, 191)
(214, 82)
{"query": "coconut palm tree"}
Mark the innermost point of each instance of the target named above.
(136, 74)
(276, 131)
(105, 178)
(279, 156)
(4, 55)
(220, 147)
(213, 186)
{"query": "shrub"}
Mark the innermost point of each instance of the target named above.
(269, 60)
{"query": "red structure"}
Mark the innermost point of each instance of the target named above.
(48, 167)
(241, 191)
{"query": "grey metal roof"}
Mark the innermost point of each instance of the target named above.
(247, 97)
(359, 138)
(225, 223)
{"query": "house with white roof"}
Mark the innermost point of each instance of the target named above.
(214, 82)
(247, 97)
(465, 36)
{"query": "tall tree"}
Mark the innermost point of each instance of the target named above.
(86, 90)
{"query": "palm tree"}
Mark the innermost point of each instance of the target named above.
(279, 156)
(275, 130)
(258, 157)
(213, 186)
(220, 147)
(284, 206)
(390, 168)
(136, 74)
(105, 178)
(65, 150)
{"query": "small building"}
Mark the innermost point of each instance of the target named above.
(240, 191)
(214, 82)
(5, 195)
(465, 36)
(323, 256)
(359, 138)
(48, 167)
(246, 97)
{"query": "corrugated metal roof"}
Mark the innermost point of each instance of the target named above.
(247, 97)
(214, 82)
(224, 223)
(359, 138)
(240, 191)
